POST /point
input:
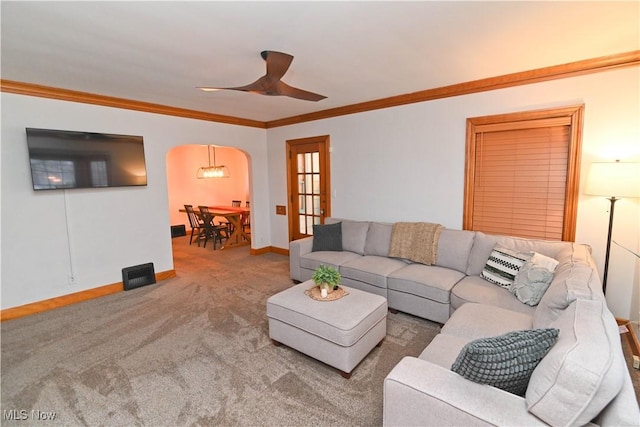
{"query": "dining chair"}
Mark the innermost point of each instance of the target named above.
(212, 231)
(197, 226)
(236, 203)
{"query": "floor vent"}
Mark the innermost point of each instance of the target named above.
(138, 275)
(178, 230)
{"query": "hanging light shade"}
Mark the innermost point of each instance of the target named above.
(213, 171)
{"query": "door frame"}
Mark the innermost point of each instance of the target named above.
(324, 142)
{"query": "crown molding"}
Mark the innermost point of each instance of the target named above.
(41, 91)
(588, 66)
(571, 69)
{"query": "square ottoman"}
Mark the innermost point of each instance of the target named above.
(339, 333)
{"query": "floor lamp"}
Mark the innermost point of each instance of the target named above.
(614, 180)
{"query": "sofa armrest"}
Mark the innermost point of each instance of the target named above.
(419, 393)
(298, 248)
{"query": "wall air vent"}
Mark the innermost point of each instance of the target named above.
(138, 275)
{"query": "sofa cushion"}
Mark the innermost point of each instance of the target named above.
(574, 253)
(476, 289)
(549, 248)
(531, 283)
(482, 246)
(371, 269)
(443, 350)
(327, 237)
(378, 239)
(454, 247)
(335, 259)
(570, 282)
(426, 281)
(473, 321)
(503, 266)
(354, 236)
(505, 361)
(484, 243)
(583, 372)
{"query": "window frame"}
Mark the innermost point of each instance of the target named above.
(510, 121)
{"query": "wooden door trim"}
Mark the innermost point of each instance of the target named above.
(575, 114)
(324, 141)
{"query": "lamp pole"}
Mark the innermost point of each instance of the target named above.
(606, 257)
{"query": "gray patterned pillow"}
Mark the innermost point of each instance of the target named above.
(531, 283)
(506, 361)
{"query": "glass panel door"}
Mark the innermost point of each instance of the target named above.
(308, 184)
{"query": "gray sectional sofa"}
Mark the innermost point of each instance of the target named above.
(582, 379)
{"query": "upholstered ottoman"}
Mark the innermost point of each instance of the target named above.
(339, 333)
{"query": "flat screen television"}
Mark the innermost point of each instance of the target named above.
(63, 159)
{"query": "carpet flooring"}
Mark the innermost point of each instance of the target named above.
(193, 350)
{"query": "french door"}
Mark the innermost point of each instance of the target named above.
(308, 184)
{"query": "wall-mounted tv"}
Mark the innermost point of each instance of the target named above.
(63, 159)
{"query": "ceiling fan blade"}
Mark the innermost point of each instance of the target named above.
(277, 65)
(270, 84)
(260, 85)
(283, 89)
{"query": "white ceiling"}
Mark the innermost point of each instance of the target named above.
(351, 52)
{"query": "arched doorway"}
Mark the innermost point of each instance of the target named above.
(183, 187)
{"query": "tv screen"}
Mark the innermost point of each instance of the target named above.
(63, 159)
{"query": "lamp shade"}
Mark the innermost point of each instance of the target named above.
(613, 179)
(212, 171)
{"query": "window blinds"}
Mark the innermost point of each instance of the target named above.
(520, 178)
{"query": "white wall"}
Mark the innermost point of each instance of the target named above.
(108, 228)
(403, 163)
(407, 163)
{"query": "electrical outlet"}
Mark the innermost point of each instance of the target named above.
(636, 362)
(281, 210)
(72, 279)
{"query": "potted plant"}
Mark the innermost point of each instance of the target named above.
(327, 279)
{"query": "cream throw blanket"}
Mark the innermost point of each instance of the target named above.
(415, 241)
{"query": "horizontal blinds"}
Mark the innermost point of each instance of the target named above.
(520, 181)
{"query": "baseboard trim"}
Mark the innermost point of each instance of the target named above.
(61, 301)
(631, 336)
(267, 249)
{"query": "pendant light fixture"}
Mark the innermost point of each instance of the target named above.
(215, 171)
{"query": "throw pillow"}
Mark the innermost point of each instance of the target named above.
(503, 266)
(354, 235)
(544, 261)
(531, 282)
(327, 237)
(506, 361)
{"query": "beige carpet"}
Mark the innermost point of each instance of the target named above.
(193, 350)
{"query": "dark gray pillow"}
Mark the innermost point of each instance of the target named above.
(327, 237)
(506, 361)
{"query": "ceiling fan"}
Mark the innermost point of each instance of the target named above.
(270, 84)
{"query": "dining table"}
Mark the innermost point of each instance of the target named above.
(237, 217)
